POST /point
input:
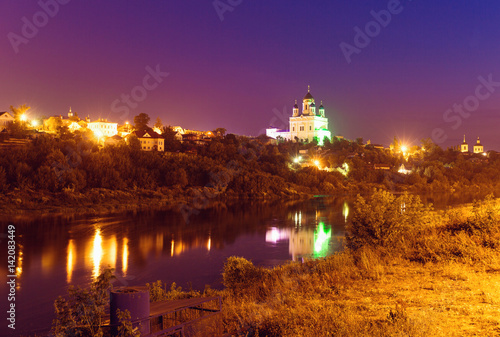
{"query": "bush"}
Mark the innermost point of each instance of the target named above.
(386, 221)
(238, 274)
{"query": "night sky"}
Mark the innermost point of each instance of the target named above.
(242, 65)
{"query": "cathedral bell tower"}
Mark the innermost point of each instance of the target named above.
(307, 102)
(295, 110)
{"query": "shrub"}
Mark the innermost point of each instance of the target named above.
(386, 221)
(238, 274)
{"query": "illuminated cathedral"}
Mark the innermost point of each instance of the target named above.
(305, 125)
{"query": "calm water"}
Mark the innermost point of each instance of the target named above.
(159, 245)
(143, 247)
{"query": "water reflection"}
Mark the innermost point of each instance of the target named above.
(147, 246)
(158, 245)
(345, 210)
(19, 269)
(96, 255)
(70, 260)
(125, 256)
(306, 241)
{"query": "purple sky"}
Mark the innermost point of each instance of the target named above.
(242, 71)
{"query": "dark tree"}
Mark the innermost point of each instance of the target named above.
(141, 121)
(219, 132)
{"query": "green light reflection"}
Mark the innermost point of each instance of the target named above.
(322, 238)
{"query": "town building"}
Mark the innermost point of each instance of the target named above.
(478, 147)
(5, 119)
(102, 127)
(464, 147)
(150, 140)
(306, 125)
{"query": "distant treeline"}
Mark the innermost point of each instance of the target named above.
(236, 167)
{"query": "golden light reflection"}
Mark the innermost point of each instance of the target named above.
(298, 219)
(19, 269)
(125, 257)
(172, 244)
(112, 251)
(159, 243)
(179, 248)
(47, 259)
(209, 244)
(345, 210)
(71, 260)
(97, 253)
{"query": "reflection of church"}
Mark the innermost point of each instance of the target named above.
(305, 125)
(301, 243)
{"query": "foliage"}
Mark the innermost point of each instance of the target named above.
(158, 292)
(18, 112)
(158, 123)
(239, 274)
(80, 314)
(385, 220)
(141, 121)
(125, 329)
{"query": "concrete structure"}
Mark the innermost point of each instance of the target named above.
(464, 147)
(305, 125)
(150, 140)
(5, 119)
(163, 318)
(478, 147)
(103, 128)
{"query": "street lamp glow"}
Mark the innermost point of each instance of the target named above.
(34, 123)
(23, 118)
(404, 148)
(297, 160)
(98, 134)
(316, 162)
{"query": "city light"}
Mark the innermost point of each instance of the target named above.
(297, 160)
(404, 148)
(317, 163)
(23, 118)
(98, 134)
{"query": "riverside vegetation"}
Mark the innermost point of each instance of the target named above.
(69, 172)
(406, 270)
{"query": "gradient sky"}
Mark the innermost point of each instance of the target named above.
(244, 71)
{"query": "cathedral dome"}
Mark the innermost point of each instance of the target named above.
(308, 96)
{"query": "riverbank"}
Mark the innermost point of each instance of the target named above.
(412, 273)
(439, 276)
(30, 203)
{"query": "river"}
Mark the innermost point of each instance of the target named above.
(57, 251)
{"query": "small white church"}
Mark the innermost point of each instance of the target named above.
(305, 125)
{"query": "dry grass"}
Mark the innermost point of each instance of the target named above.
(441, 280)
